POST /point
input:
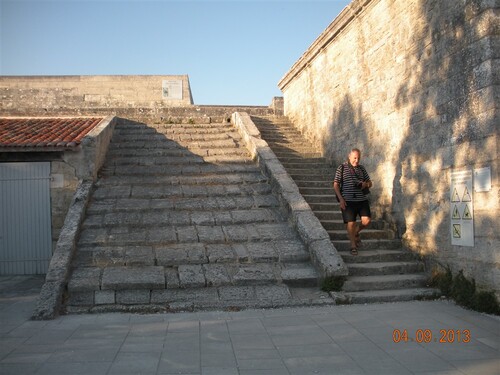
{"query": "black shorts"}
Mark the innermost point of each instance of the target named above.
(354, 209)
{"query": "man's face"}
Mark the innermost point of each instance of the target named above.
(354, 158)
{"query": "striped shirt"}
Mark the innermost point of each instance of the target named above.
(348, 182)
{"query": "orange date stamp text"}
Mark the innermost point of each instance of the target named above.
(445, 336)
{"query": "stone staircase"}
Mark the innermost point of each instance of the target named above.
(181, 218)
(383, 271)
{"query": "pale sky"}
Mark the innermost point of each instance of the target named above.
(235, 52)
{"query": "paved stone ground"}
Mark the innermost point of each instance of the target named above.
(355, 339)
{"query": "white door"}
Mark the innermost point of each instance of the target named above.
(25, 219)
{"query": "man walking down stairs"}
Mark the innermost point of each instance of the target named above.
(383, 270)
(182, 218)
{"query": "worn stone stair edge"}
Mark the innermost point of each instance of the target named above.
(50, 299)
(231, 298)
(324, 255)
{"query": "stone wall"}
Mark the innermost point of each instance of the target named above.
(21, 94)
(70, 168)
(415, 85)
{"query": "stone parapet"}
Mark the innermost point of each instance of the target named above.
(50, 299)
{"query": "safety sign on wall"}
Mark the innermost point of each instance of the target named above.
(462, 209)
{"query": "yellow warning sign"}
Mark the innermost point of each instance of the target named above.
(456, 214)
(455, 197)
(466, 197)
(457, 231)
(467, 214)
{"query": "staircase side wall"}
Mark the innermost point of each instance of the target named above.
(415, 85)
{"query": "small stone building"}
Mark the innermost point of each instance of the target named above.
(42, 161)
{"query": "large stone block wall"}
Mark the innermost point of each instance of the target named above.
(415, 85)
(25, 94)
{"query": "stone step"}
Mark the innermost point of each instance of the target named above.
(384, 268)
(177, 160)
(369, 244)
(130, 152)
(312, 175)
(282, 139)
(90, 282)
(168, 143)
(367, 234)
(289, 155)
(331, 206)
(381, 255)
(305, 165)
(327, 173)
(192, 253)
(119, 131)
(365, 283)
(132, 205)
(183, 233)
(288, 143)
(139, 125)
(325, 185)
(302, 161)
(214, 179)
(156, 191)
(180, 170)
(328, 215)
(177, 137)
(320, 198)
(294, 150)
(295, 158)
(228, 298)
(338, 224)
(388, 295)
(146, 219)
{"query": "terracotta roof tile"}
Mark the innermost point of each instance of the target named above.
(45, 132)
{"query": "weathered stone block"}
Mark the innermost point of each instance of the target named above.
(208, 234)
(81, 299)
(254, 274)
(291, 251)
(133, 297)
(104, 297)
(123, 278)
(85, 279)
(190, 253)
(235, 233)
(187, 234)
(216, 274)
(162, 234)
(220, 253)
(191, 276)
(236, 293)
(261, 252)
(273, 293)
(309, 227)
(172, 278)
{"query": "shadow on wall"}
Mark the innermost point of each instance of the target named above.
(447, 126)
(449, 111)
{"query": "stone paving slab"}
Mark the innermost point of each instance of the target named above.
(356, 339)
